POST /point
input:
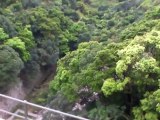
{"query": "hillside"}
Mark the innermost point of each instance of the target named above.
(106, 55)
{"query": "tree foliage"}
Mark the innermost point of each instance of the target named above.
(114, 70)
(10, 66)
(19, 46)
(3, 35)
(107, 51)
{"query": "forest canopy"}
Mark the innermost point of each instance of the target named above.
(106, 53)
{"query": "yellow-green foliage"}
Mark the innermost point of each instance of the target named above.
(18, 45)
(27, 37)
(149, 3)
(128, 55)
(149, 108)
(3, 35)
(111, 86)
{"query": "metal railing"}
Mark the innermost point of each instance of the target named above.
(13, 114)
(26, 103)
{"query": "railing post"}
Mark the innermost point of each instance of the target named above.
(25, 110)
(63, 118)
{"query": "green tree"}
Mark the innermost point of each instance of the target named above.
(19, 46)
(123, 72)
(87, 66)
(10, 66)
(3, 35)
(27, 37)
(139, 62)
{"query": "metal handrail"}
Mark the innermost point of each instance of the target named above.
(10, 113)
(44, 108)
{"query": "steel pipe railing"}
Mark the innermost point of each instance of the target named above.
(41, 107)
(13, 114)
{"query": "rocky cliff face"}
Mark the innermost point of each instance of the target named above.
(21, 89)
(17, 92)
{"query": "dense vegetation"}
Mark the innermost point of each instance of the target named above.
(107, 52)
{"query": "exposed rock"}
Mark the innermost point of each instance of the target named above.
(22, 89)
(17, 92)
